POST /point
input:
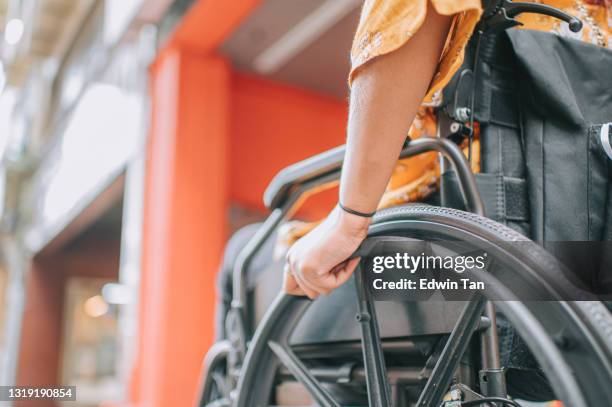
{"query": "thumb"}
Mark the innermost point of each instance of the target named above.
(290, 286)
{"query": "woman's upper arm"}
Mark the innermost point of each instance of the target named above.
(386, 25)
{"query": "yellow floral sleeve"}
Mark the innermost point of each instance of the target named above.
(386, 25)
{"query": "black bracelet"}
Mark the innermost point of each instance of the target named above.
(354, 212)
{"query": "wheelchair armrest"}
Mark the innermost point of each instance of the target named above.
(325, 164)
(291, 177)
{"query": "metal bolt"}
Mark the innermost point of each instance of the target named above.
(456, 394)
(362, 317)
(463, 114)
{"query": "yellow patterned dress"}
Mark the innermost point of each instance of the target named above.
(386, 25)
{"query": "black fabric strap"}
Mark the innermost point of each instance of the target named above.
(354, 212)
(505, 197)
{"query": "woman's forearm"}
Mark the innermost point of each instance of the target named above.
(384, 102)
(383, 105)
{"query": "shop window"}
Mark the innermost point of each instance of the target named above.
(90, 348)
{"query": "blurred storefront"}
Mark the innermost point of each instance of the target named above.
(74, 117)
(136, 136)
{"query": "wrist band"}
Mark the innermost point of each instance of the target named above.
(354, 212)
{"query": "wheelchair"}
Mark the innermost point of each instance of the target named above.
(347, 349)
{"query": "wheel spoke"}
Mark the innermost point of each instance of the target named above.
(455, 347)
(379, 394)
(301, 373)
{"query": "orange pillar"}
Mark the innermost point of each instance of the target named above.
(186, 198)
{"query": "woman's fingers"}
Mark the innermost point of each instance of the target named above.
(295, 290)
(290, 286)
(311, 276)
(295, 271)
(312, 284)
(339, 274)
(307, 288)
(326, 282)
(347, 271)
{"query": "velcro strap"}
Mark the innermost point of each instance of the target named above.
(504, 108)
(517, 204)
(505, 198)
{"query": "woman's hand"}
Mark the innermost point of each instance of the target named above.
(317, 263)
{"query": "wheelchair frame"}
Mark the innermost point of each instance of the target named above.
(282, 196)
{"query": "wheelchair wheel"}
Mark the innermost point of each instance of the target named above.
(571, 341)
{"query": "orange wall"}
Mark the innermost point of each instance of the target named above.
(274, 125)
